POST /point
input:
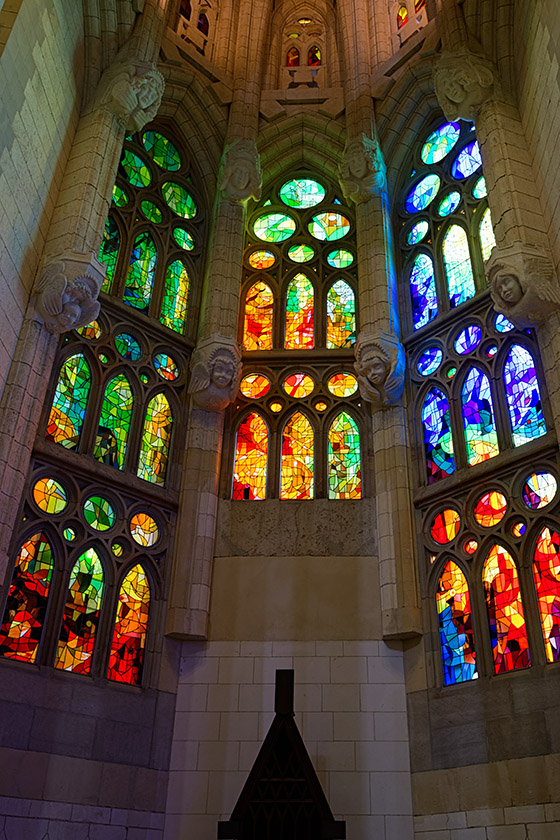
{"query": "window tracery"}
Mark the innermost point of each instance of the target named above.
(303, 51)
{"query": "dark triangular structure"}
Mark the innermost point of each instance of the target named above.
(282, 798)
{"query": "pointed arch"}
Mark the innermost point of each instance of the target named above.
(203, 24)
(126, 660)
(453, 604)
(343, 462)
(341, 315)
(300, 313)
(546, 574)
(69, 404)
(402, 16)
(458, 266)
(314, 56)
(506, 618)
(114, 422)
(109, 252)
(481, 439)
(251, 458)
(438, 437)
(422, 286)
(156, 440)
(296, 471)
(140, 277)
(175, 297)
(292, 57)
(523, 396)
(259, 317)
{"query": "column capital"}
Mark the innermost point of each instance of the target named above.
(523, 283)
(216, 372)
(380, 365)
(362, 172)
(240, 175)
(464, 81)
(132, 91)
(67, 288)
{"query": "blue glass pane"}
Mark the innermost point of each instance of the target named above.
(417, 232)
(467, 161)
(480, 190)
(449, 203)
(503, 325)
(423, 291)
(440, 142)
(423, 193)
(522, 393)
(478, 418)
(429, 361)
(458, 267)
(438, 439)
(468, 339)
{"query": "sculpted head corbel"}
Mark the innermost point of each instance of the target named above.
(67, 290)
(363, 172)
(523, 283)
(216, 372)
(240, 175)
(132, 91)
(380, 366)
(464, 81)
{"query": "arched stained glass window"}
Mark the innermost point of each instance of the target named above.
(203, 24)
(70, 402)
(455, 626)
(523, 396)
(251, 457)
(259, 314)
(344, 469)
(186, 9)
(175, 297)
(546, 573)
(26, 607)
(114, 422)
(314, 56)
(292, 57)
(296, 472)
(299, 314)
(458, 268)
(126, 659)
(481, 438)
(140, 277)
(486, 233)
(110, 251)
(402, 16)
(341, 316)
(81, 614)
(423, 291)
(510, 647)
(156, 440)
(438, 438)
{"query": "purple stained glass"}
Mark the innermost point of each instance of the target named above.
(468, 339)
(523, 396)
(438, 439)
(423, 291)
(429, 361)
(423, 193)
(467, 161)
(481, 438)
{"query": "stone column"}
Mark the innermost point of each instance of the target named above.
(216, 364)
(380, 360)
(70, 276)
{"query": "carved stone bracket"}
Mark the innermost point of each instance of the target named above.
(523, 283)
(67, 289)
(216, 372)
(380, 365)
(464, 81)
(363, 172)
(240, 175)
(132, 91)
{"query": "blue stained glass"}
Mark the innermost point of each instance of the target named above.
(480, 190)
(423, 193)
(523, 397)
(458, 267)
(440, 142)
(449, 203)
(423, 291)
(417, 232)
(438, 438)
(478, 418)
(429, 361)
(468, 339)
(467, 161)
(455, 626)
(503, 325)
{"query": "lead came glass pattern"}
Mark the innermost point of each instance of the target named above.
(81, 614)
(523, 396)
(110, 251)
(423, 291)
(251, 451)
(296, 475)
(344, 471)
(455, 626)
(539, 490)
(156, 439)
(299, 314)
(50, 496)
(422, 195)
(438, 438)
(510, 647)
(259, 314)
(161, 150)
(440, 142)
(429, 361)
(274, 227)
(131, 626)
(114, 422)
(546, 574)
(341, 316)
(458, 268)
(175, 297)
(478, 418)
(70, 402)
(140, 277)
(302, 193)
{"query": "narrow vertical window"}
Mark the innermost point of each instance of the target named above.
(81, 614)
(486, 233)
(140, 277)
(203, 24)
(341, 316)
(438, 438)
(156, 439)
(296, 476)
(314, 57)
(70, 402)
(402, 17)
(186, 9)
(109, 252)
(299, 314)
(251, 453)
(259, 310)
(131, 625)
(114, 423)
(292, 57)
(523, 396)
(455, 626)
(510, 648)
(24, 615)
(175, 297)
(546, 574)
(458, 267)
(423, 291)
(478, 418)
(344, 472)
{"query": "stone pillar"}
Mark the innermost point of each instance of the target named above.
(70, 276)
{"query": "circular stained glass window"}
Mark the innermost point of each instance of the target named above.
(128, 347)
(503, 324)
(479, 189)
(321, 406)
(450, 372)
(275, 407)
(144, 378)
(161, 150)
(429, 361)
(49, 495)
(421, 195)
(490, 508)
(340, 258)
(470, 546)
(539, 490)
(166, 366)
(298, 385)
(262, 259)
(99, 513)
(274, 227)
(342, 384)
(302, 193)
(301, 253)
(449, 203)
(468, 339)
(518, 529)
(151, 211)
(183, 239)
(491, 350)
(144, 529)
(103, 358)
(91, 331)
(254, 386)
(69, 534)
(136, 170)
(120, 198)
(417, 232)
(445, 526)
(440, 142)
(467, 161)
(328, 226)
(117, 549)
(179, 200)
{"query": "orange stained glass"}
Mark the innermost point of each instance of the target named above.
(296, 477)
(470, 546)
(402, 17)
(254, 385)
(299, 314)
(275, 407)
(342, 384)
(546, 573)
(490, 508)
(81, 614)
(262, 259)
(298, 385)
(292, 57)
(321, 406)
(131, 625)
(445, 526)
(455, 626)
(506, 618)
(259, 310)
(314, 56)
(251, 451)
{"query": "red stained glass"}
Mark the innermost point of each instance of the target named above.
(81, 614)
(510, 647)
(257, 328)
(296, 480)
(402, 17)
(131, 625)
(292, 57)
(490, 509)
(249, 472)
(470, 546)
(445, 526)
(546, 572)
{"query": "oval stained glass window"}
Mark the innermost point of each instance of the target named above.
(262, 259)
(120, 198)
(468, 339)
(298, 385)
(518, 529)
(342, 384)
(301, 253)
(467, 161)
(417, 232)
(440, 142)
(166, 367)
(179, 200)
(490, 508)
(99, 513)
(503, 324)
(91, 332)
(136, 170)
(183, 239)
(423, 193)
(340, 258)
(302, 193)
(50, 496)
(449, 203)
(151, 211)
(128, 347)
(429, 361)
(161, 150)
(274, 227)
(480, 190)
(470, 546)
(539, 490)
(254, 386)
(69, 534)
(445, 526)
(275, 407)
(144, 529)
(328, 226)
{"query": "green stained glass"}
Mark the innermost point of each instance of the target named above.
(344, 472)
(417, 232)
(458, 268)
(103, 358)
(179, 200)
(340, 258)
(109, 252)
(114, 423)
(120, 198)
(274, 227)
(81, 614)
(175, 296)
(299, 314)
(487, 238)
(156, 438)
(301, 253)
(99, 513)
(128, 347)
(161, 150)
(183, 239)
(136, 170)
(166, 367)
(91, 331)
(50, 496)
(70, 401)
(341, 316)
(117, 549)
(151, 211)
(69, 534)
(302, 193)
(140, 277)
(479, 189)
(440, 142)
(144, 378)
(328, 226)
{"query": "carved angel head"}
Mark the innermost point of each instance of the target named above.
(380, 364)
(240, 173)
(216, 373)
(362, 170)
(522, 283)
(463, 81)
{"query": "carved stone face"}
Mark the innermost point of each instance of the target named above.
(223, 371)
(357, 162)
(376, 370)
(147, 91)
(509, 288)
(454, 85)
(240, 175)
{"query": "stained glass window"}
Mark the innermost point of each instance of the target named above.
(301, 253)
(156, 439)
(292, 57)
(161, 150)
(110, 251)
(166, 367)
(175, 296)
(131, 625)
(429, 361)
(302, 193)
(438, 438)
(539, 490)
(262, 259)
(81, 614)
(135, 169)
(490, 508)
(440, 142)
(251, 452)
(314, 56)
(144, 529)
(455, 626)
(296, 474)
(274, 227)
(128, 347)
(259, 313)
(468, 339)
(402, 17)
(179, 200)
(329, 226)
(341, 316)
(344, 471)
(24, 615)
(341, 258)
(445, 526)
(342, 384)
(467, 161)
(254, 386)
(458, 268)
(486, 233)
(140, 276)
(299, 314)
(478, 418)
(423, 193)
(423, 291)
(114, 422)
(546, 573)
(508, 635)
(50, 496)
(523, 396)
(203, 24)
(298, 385)
(70, 402)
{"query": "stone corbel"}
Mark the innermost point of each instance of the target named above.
(240, 175)
(380, 365)
(67, 289)
(216, 372)
(131, 90)
(464, 81)
(363, 172)
(523, 283)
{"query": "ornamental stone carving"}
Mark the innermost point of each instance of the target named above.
(216, 372)
(380, 365)
(363, 172)
(67, 290)
(463, 82)
(132, 91)
(523, 284)
(240, 175)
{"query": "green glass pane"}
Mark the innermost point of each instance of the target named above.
(103, 358)
(274, 227)
(81, 614)
(91, 331)
(328, 226)
(166, 366)
(301, 253)
(120, 198)
(161, 150)
(156, 438)
(179, 200)
(69, 534)
(151, 211)
(458, 267)
(109, 252)
(70, 402)
(344, 472)
(302, 192)
(175, 296)
(340, 258)
(99, 513)
(140, 277)
(50, 496)
(136, 170)
(341, 316)
(479, 189)
(114, 423)
(144, 378)
(128, 347)
(183, 239)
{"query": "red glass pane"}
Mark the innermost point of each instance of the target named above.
(490, 509)
(506, 618)
(131, 625)
(445, 526)
(546, 572)
(249, 472)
